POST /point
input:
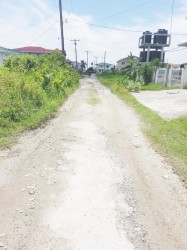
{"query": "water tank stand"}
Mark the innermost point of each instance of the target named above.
(162, 54)
(148, 54)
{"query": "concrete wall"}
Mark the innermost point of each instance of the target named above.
(174, 79)
(184, 78)
(161, 76)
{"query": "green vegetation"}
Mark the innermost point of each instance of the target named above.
(169, 137)
(155, 86)
(31, 89)
(94, 99)
(137, 75)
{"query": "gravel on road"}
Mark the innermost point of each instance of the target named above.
(89, 179)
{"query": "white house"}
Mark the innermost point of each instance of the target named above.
(122, 63)
(104, 67)
(5, 53)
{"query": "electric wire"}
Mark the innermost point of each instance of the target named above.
(104, 27)
(72, 6)
(43, 33)
(175, 50)
(172, 9)
(119, 29)
(125, 11)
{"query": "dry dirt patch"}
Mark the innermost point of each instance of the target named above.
(170, 104)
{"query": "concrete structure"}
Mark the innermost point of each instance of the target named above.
(184, 78)
(161, 76)
(174, 79)
(122, 63)
(5, 53)
(104, 67)
(153, 45)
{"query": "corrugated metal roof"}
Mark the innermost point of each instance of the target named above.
(32, 49)
(127, 59)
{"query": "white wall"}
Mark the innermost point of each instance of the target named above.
(184, 78)
(174, 79)
(161, 76)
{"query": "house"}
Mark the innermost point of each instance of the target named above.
(103, 67)
(122, 63)
(5, 53)
(36, 50)
(76, 65)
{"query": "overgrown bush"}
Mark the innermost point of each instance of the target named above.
(146, 71)
(28, 83)
(130, 85)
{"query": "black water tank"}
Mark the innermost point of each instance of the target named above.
(143, 56)
(159, 39)
(154, 55)
(146, 37)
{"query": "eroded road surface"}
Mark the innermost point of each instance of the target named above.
(89, 180)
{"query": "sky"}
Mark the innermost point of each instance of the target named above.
(113, 26)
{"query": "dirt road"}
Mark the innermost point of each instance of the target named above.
(89, 180)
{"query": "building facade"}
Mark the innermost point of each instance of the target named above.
(122, 63)
(103, 67)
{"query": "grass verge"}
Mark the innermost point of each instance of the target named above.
(156, 87)
(168, 137)
(10, 131)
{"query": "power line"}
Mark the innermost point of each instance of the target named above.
(72, 6)
(124, 11)
(118, 29)
(55, 5)
(172, 9)
(104, 27)
(43, 33)
(175, 50)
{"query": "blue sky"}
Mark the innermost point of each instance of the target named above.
(106, 8)
(36, 22)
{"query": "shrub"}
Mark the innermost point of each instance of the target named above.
(130, 85)
(28, 83)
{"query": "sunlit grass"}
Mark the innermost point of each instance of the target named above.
(168, 137)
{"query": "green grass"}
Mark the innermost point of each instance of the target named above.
(11, 130)
(155, 87)
(168, 137)
(93, 97)
(31, 90)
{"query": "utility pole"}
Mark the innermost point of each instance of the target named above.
(104, 59)
(87, 57)
(95, 60)
(61, 28)
(75, 43)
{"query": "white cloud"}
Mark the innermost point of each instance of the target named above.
(18, 29)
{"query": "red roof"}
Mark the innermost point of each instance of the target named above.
(32, 49)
